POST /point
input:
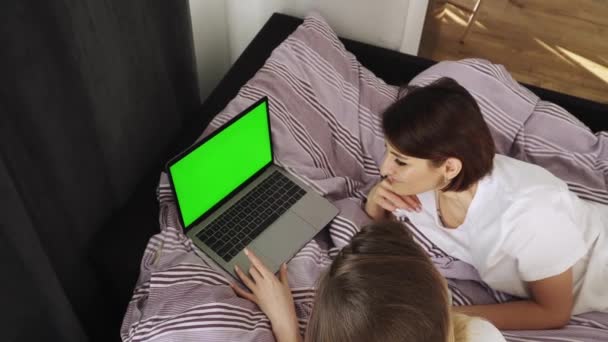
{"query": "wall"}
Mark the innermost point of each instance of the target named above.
(210, 34)
(223, 28)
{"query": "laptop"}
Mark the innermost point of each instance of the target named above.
(230, 195)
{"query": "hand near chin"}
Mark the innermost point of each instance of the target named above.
(382, 198)
(272, 295)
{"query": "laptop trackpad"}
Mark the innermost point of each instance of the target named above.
(283, 239)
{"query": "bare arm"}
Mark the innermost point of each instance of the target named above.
(549, 308)
(286, 335)
(272, 295)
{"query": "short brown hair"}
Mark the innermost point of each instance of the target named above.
(439, 121)
(380, 287)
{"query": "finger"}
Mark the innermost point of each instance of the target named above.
(243, 294)
(245, 278)
(283, 274)
(386, 184)
(256, 262)
(395, 200)
(399, 201)
(415, 197)
(412, 202)
(255, 274)
(385, 204)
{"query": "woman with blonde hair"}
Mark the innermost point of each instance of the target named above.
(380, 287)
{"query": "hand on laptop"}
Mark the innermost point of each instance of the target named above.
(272, 295)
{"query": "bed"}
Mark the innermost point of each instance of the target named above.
(181, 295)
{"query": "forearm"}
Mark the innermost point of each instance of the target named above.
(286, 328)
(287, 333)
(517, 315)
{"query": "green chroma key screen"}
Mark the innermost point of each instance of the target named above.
(214, 169)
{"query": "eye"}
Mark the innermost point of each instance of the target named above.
(400, 163)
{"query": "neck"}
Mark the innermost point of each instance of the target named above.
(463, 198)
(452, 206)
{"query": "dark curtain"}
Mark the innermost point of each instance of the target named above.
(92, 92)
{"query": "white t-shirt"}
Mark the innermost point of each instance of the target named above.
(522, 225)
(480, 330)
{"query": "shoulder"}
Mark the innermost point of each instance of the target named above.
(520, 175)
(527, 188)
(481, 330)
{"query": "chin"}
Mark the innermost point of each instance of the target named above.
(403, 192)
(407, 192)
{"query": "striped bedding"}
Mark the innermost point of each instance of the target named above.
(325, 119)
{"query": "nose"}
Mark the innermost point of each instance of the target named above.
(387, 166)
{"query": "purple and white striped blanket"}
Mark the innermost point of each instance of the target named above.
(325, 122)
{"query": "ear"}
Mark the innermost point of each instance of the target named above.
(452, 167)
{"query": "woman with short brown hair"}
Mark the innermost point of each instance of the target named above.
(516, 223)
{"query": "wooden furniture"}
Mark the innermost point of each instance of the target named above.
(473, 11)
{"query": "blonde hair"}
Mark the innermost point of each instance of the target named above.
(384, 287)
(460, 324)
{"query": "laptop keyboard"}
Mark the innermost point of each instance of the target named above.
(234, 229)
